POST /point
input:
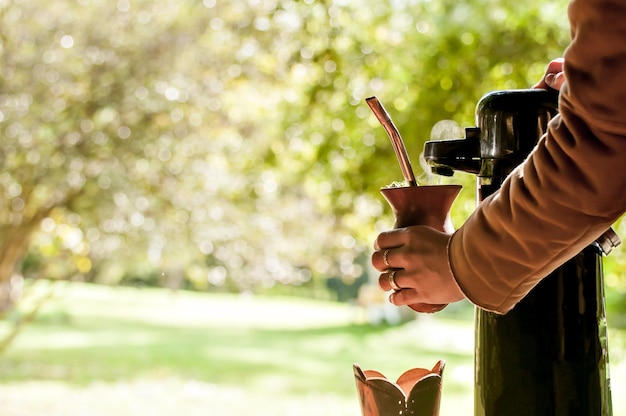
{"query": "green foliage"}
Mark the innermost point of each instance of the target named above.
(227, 143)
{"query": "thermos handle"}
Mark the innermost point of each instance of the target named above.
(608, 241)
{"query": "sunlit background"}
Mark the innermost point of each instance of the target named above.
(190, 192)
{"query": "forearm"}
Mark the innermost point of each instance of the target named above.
(571, 188)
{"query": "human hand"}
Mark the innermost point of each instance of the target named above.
(554, 77)
(417, 259)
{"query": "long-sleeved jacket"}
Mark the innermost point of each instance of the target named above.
(571, 188)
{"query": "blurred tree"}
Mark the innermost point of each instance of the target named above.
(114, 136)
(227, 143)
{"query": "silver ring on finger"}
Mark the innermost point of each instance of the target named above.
(386, 258)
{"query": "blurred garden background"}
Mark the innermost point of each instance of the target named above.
(190, 193)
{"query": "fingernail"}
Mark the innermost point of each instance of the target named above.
(549, 79)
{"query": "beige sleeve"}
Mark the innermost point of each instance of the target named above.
(571, 188)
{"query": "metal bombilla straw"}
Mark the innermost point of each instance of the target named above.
(396, 140)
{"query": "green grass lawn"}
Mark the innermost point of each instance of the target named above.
(97, 350)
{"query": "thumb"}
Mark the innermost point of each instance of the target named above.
(555, 80)
(550, 80)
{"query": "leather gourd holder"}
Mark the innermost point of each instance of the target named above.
(417, 392)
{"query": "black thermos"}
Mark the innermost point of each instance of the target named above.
(549, 355)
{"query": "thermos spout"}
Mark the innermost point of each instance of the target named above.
(446, 156)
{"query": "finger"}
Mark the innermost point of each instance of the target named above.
(378, 260)
(408, 296)
(551, 80)
(390, 239)
(556, 65)
(384, 280)
(399, 298)
(403, 297)
(555, 81)
(386, 259)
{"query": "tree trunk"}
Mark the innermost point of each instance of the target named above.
(13, 248)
